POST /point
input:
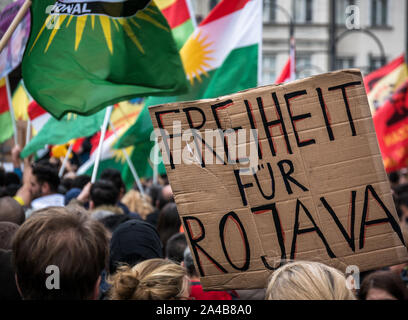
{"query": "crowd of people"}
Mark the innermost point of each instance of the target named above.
(68, 238)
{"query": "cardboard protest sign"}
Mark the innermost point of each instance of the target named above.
(303, 180)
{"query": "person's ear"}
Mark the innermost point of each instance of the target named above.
(18, 287)
(45, 188)
(91, 205)
(95, 295)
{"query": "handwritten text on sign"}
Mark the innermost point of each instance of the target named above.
(317, 190)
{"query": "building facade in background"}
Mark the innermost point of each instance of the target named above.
(379, 39)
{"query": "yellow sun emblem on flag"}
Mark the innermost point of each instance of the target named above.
(119, 155)
(108, 24)
(195, 57)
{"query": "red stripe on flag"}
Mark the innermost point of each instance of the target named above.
(177, 13)
(285, 75)
(4, 106)
(78, 144)
(224, 8)
(96, 137)
(34, 110)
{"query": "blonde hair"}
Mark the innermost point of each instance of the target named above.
(154, 279)
(138, 203)
(303, 280)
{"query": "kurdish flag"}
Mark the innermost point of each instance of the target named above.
(123, 115)
(180, 18)
(56, 132)
(6, 125)
(222, 56)
(85, 55)
(38, 116)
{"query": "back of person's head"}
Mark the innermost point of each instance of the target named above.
(394, 177)
(303, 280)
(401, 188)
(104, 192)
(165, 197)
(113, 221)
(154, 192)
(12, 183)
(65, 185)
(11, 178)
(138, 203)
(64, 238)
(154, 279)
(175, 247)
(115, 177)
(169, 222)
(383, 285)
(2, 177)
(80, 181)
(132, 242)
(7, 231)
(189, 263)
(45, 172)
(11, 211)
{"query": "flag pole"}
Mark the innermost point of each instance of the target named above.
(100, 145)
(192, 14)
(129, 162)
(30, 98)
(13, 118)
(64, 163)
(155, 164)
(17, 19)
(28, 133)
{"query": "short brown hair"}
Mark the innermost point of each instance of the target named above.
(67, 238)
(11, 211)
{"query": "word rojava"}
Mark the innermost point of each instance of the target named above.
(286, 173)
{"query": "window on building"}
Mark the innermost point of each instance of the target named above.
(213, 3)
(269, 11)
(341, 6)
(345, 62)
(375, 62)
(303, 11)
(268, 68)
(379, 12)
(304, 65)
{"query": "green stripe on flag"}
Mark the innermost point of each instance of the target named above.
(182, 32)
(6, 126)
(57, 132)
(230, 78)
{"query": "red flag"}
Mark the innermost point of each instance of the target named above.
(289, 70)
(382, 83)
(391, 126)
